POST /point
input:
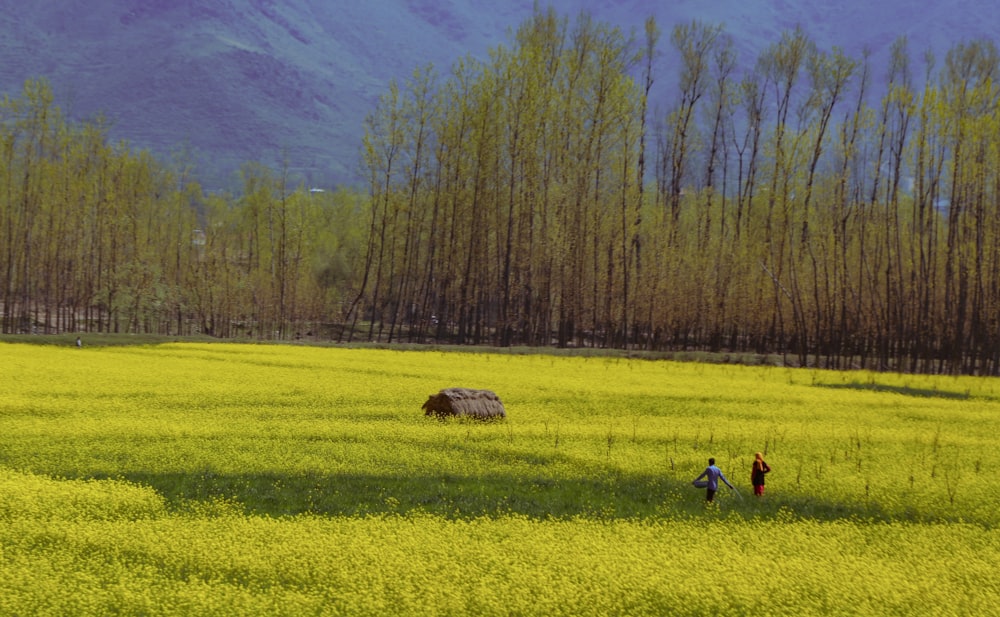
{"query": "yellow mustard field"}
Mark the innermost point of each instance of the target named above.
(228, 479)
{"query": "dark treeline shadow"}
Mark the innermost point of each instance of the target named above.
(456, 497)
(906, 391)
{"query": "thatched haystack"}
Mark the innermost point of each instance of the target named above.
(465, 402)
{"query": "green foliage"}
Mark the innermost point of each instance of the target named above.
(97, 238)
(820, 232)
(533, 200)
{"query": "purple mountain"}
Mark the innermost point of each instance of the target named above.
(231, 81)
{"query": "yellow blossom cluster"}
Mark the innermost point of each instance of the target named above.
(229, 479)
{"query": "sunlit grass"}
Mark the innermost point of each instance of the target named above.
(225, 479)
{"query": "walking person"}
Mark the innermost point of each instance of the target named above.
(712, 475)
(757, 474)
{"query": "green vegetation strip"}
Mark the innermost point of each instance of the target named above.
(221, 479)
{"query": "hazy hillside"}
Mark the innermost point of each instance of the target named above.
(231, 81)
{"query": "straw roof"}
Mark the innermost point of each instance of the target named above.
(465, 402)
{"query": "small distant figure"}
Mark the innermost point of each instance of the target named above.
(79, 343)
(757, 474)
(712, 475)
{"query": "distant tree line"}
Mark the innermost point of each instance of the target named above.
(96, 238)
(542, 197)
(527, 201)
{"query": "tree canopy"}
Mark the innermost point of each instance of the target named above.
(802, 205)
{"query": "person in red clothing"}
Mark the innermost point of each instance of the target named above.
(757, 474)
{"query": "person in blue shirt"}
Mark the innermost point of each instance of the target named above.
(712, 475)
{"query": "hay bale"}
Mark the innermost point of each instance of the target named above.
(465, 402)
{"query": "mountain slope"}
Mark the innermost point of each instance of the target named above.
(231, 81)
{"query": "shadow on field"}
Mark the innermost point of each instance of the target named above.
(918, 392)
(463, 497)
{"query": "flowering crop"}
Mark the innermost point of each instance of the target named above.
(247, 479)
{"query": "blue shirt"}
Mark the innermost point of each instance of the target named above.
(713, 474)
